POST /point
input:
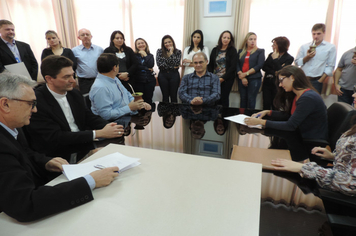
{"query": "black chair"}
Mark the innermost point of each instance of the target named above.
(339, 120)
(87, 101)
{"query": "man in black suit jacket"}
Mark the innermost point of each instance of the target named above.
(12, 51)
(23, 171)
(62, 118)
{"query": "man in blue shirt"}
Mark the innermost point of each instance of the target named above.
(200, 87)
(86, 55)
(317, 59)
(109, 98)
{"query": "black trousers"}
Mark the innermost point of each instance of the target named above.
(269, 90)
(169, 82)
(147, 89)
(85, 84)
(226, 87)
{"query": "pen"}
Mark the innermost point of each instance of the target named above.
(102, 167)
(258, 115)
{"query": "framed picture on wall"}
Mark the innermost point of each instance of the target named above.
(217, 8)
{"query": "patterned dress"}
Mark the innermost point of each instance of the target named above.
(342, 177)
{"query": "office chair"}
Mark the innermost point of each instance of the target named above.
(339, 121)
(87, 101)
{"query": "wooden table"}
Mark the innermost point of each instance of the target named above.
(168, 194)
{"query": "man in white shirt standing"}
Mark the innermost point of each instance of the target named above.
(86, 54)
(317, 58)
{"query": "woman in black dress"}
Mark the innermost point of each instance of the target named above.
(127, 60)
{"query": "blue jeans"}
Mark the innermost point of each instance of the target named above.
(248, 94)
(317, 85)
(346, 96)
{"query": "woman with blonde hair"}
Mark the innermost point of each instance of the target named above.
(145, 79)
(55, 47)
(249, 65)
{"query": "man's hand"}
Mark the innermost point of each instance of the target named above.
(338, 90)
(105, 176)
(197, 101)
(353, 61)
(221, 80)
(55, 164)
(138, 105)
(124, 76)
(147, 106)
(111, 130)
(310, 55)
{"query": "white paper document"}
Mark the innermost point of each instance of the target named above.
(18, 69)
(115, 159)
(240, 119)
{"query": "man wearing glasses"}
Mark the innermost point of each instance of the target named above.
(86, 54)
(13, 51)
(23, 172)
(62, 119)
(200, 87)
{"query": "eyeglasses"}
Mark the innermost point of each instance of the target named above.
(198, 62)
(32, 103)
(84, 35)
(281, 79)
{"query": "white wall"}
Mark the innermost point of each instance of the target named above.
(213, 26)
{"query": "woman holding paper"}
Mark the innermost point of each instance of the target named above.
(298, 106)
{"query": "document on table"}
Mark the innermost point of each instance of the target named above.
(240, 119)
(115, 159)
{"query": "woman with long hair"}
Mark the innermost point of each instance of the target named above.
(55, 47)
(222, 62)
(298, 106)
(275, 61)
(249, 65)
(145, 79)
(196, 45)
(168, 61)
(127, 59)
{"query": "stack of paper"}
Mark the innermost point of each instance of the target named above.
(115, 159)
(240, 119)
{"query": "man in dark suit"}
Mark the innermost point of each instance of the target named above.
(62, 118)
(12, 51)
(23, 171)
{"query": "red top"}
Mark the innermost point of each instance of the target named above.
(294, 106)
(246, 65)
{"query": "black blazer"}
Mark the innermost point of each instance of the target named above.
(26, 54)
(256, 62)
(231, 60)
(131, 59)
(272, 65)
(23, 195)
(49, 129)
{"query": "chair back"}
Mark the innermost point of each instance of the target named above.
(339, 120)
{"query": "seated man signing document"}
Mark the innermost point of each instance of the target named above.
(23, 171)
